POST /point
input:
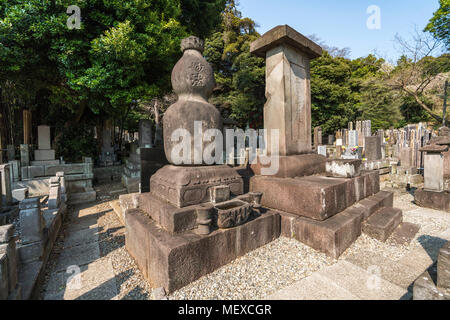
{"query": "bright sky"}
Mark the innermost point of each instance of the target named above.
(343, 23)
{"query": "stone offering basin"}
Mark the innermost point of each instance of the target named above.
(232, 213)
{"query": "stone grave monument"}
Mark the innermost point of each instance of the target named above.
(107, 156)
(131, 176)
(324, 204)
(44, 155)
(195, 218)
(435, 193)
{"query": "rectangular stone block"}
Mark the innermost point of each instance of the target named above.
(173, 261)
(220, 194)
(425, 289)
(293, 166)
(434, 172)
(10, 250)
(332, 236)
(42, 155)
(5, 176)
(20, 194)
(315, 197)
(44, 137)
(443, 267)
(433, 200)
(386, 198)
(34, 172)
(24, 155)
(382, 223)
(367, 207)
(15, 168)
(373, 148)
(343, 168)
(45, 163)
(186, 186)
(3, 275)
(288, 224)
(30, 252)
(31, 225)
(167, 216)
(74, 168)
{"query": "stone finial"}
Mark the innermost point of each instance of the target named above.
(192, 42)
(193, 82)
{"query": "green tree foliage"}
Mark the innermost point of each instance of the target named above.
(439, 24)
(337, 87)
(124, 50)
(240, 91)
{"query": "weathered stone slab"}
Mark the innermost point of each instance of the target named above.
(373, 148)
(43, 155)
(288, 109)
(20, 194)
(433, 200)
(68, 169)
(443, 267)
(284, 34)
(331, 236)
(82, 197)
(368, 207)
(313, 287)
(31, 224)
(30, 252)
(434, 172)
(361, 282)
(44, 163)
(24, 155)
(3, 275)
(315, 197)
(382, 223)
(44, 137)
(185, 186)
(425, 289)
(386, 198)
(344, 168)
(405, 233)
(5, 172)
(295, 166)
(173, 261)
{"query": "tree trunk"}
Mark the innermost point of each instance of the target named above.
(423, 105)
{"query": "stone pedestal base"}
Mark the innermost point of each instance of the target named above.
(315, 197)
(295, 165)
(186, 186)
(432, 199)
(172, 261)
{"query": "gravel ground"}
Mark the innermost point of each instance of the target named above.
(260, 272)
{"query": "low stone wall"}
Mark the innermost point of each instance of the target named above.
(23, 257)
(10, 289)
(78, 181)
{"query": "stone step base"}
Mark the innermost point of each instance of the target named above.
(315, 197)
(383, 223)
(172, 261)
(334, 235)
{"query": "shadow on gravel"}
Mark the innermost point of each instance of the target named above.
(432, 245)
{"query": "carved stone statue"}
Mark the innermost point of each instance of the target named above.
(193, 82)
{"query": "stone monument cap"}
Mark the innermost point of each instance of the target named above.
(192, 42)
(284, 34)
